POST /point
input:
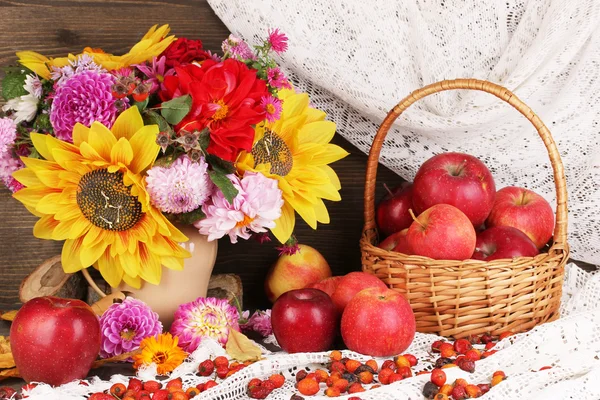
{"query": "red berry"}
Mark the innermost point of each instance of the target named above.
(473, 391)
(206, 368)
(174, 384)
(209, 384)
(152, 386)
(484, 388)
(269, 385)
(505, 335)
(473, 355)
(143, 395)
(435, 346)
(384, 375)
(278, 380)
(545, 368)
(221, 362)
(406, 372)
(100, 396)
(117, 390)
(337, 366)
(467, 365)
(356, 388)
(389, 364)
(135, 384)
(461, 346)
(139, 97)
(459, 393)
(254, 382)
(438, 377)
(412, 359)
(395, 378)
(222, 372)
(489, 345)
(258, 392)
(162, 394)
(485, 338)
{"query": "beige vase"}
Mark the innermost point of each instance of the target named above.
(179, 287)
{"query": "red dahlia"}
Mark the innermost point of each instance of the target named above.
(225, 99)
(184, 51)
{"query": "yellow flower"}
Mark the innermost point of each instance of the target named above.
(92, 195)
(164, 352)
(296, 151)
(154, 42)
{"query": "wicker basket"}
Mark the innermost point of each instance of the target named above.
(470, 297)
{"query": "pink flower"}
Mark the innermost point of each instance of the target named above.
(182, 187)
(272, 106)
(278, 41)
(254, 209)
(237, 48)
(156, 72)
(204, 317)
(260, 322)
(8, 163)
(8, 134)
(277, 79)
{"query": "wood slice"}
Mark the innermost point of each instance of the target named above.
(92, 296)
(226, 286)
(49, 279)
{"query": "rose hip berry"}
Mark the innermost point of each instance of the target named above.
(206, 368)
(301, 375)
(308, 387)
(467, 365)
(497, 379)
(435, 346)
(373, 365)
(384, 375)
(174, 384)
(332, 392)
(461, 346)
(118, 390)
(356, 388)
(395, 378)
(135, 384)
(438, 377)
(209, 384)
(440, 362)
(484, 388)
(430, 390)
(162, 394)
(412, 359)
(441, 396)
(388, 364)
(278, 380)
(459, 393)
(352, 365)
(191, 392)
(473, 391)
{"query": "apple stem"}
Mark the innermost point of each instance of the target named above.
(412, 214)
(388, 189)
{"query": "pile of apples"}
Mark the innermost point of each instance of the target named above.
(452, 211)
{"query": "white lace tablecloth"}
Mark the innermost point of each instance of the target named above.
(571, 345)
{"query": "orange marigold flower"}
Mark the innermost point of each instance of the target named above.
(163, 351)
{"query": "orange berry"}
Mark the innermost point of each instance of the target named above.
(308, 387)
(446, 389)
(401, 361)
(118, 390)
(356, 388)
(441, 396)
(332, 392)
(312, 376)
(322, 375)
(446, 345)
(448, 353)
(341, 384)
(473, 391)
(221, 362)
(422, 373)
(234, 364)
(384, 375)
(337, 366)
(488, 353)
(473, 355)
(365, 377)
(174, 384)
(505, 335)
(438, 377)
(448, 366)
(352, 365)
(335, 355)
(179, 396)
(497, 379)
(373, 365)
(395, 378)
(152, 386)
(406, 372)
(460, 382)
(192, 392)
(501, 373)
(412, 359)
(278, 380)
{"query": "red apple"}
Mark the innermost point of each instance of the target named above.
(378, 322)
(503, 242)
(304, 320)
(442, 232)
(55, 340)
(397, 242)
(328, 285)
(457, 179)
(392, 210)
(350, 285)
(296, 271)
(525, 210)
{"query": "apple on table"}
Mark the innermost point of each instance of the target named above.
(350, 285)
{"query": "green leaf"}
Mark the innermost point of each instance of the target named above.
(220, 165)
(141, 105)
(191, 217)
(12, 86)
(224, 184)
(154, 118)
(176, 109)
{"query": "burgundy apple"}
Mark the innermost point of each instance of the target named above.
(503, 242)
(458, 179)
(397, 242)
(55, 340)
(304, 320)
(392, 210)
(442, 232)
(525, 210)
(350, 285)
(378, 322)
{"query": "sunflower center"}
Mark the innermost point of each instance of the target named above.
(106, 202)
(273, 149)
(221, 111)
(245, 222)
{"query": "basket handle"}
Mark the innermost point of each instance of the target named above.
(560, 229)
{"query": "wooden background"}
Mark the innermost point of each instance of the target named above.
(57, 27)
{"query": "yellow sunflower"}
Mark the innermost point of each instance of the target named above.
(154, 42)
(92, 195)
(163, 351)
(296, 151)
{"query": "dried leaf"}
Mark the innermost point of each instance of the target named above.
(120, 357)
(102, 305)
(9, 315)
(9, 373)
(241, 348)
(4, 345)
(7, 360)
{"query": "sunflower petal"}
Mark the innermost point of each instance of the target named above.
(321, 212)
(70, 259)
(305, 209)
(129, 262)
(26, 177)
(128, 123)
(39, 142)
(44, 227)
(79, 227)
(335, 181)
(35, 62)
(110, 270)
(30, 196)
(150, 267)
(174, 263)
(330, 154)
(285, 224)
(80, 134)
(134, 282)
(89, 255)
(121, 152)
(49, 204)
(144, 147)
(101, 139)
(317, 132)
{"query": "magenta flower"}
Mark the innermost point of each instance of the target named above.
(124, 325)
(8, 134)
(8, 163)
(204, 317)
(254, 209)
(277, 79)
(85, 97)
(156, 72)
(182, 187)
(259, 322)
(278, 41)
(272, 106)
(237, 48)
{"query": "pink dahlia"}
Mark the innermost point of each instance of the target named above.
(272, 106)
(254, 209)
(235, 47)
(278, 41)
(204, 317)
(8, 134)
(85, 97)
(181, 187)
(259, 322)
(124, 325)
(277, 79)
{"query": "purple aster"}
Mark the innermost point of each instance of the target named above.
(124, 325)
(182, 187)
(259, 322)
(237, 48)
(204, 317)
(85, 98)
(272, 106)
(278, 41)
(277, 79)
(156, 72)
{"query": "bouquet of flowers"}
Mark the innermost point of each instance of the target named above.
(112, 151)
